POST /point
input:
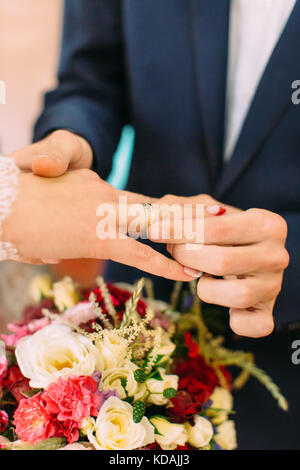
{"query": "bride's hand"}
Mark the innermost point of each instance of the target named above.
(55, 218)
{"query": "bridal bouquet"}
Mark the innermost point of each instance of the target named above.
(112, 368)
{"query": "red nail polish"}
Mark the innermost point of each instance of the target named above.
(222, 211)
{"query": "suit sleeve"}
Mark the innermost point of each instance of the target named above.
(89, 99)
(287, 308)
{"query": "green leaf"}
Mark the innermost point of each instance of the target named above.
(124, 383)
(156, 375)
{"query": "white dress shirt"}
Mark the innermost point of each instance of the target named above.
(255, 28)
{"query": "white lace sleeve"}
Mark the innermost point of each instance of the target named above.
(8, 192)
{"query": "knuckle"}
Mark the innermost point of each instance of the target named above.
(279, 260)
(168, 198)
(145, 253)
(223, 265)
(206, 199)
(274, 225)
(285, 258)
(244, 297)
(88, 174)
(217, 232)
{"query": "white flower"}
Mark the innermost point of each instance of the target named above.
(157, 387)
(65, 294)
(222, 400)
(170, 435)
(56, 351)
(166, 347)
(201, 433)
(40, 286)
(226, 436)
(112, 349)
(116, 430)
(111, 380)
(88, 424)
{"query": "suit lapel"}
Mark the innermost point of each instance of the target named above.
(271, 102)
(210, 22)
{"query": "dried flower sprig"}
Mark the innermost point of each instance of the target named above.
(103, 318)
(107, 299)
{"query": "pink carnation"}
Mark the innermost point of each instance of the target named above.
(33, 423)
(21, 330)
(70, 401)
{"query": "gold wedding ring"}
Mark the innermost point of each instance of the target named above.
(151, 215)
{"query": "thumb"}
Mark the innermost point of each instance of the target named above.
(61, 151)
(54, 155)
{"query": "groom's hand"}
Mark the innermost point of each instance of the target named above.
(55, 154)
(246, 251)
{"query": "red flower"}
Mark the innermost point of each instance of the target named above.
(16, 383)
(185, 406)
(3, 420)
(118, 298)
(197, 378)
(70, 401)
(34, 312)
(197, 381)
(193, 348)
(3, 369)
(33, 423)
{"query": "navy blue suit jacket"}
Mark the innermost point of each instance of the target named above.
(161, 67)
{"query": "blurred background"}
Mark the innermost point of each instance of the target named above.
(30, 32)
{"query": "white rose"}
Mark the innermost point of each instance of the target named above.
(111, 380)
(112, 349)
(221, 399)
(65, 294)
(166, 347)
(116, 430)
(157, 387)
(201, 433)
(226, 436)
(40, 286)
(56, 351)
(170, 435)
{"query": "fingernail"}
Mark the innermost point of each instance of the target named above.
(50, 261)
(192, 272)
(216, 209)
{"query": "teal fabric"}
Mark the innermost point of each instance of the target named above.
(122, 159)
